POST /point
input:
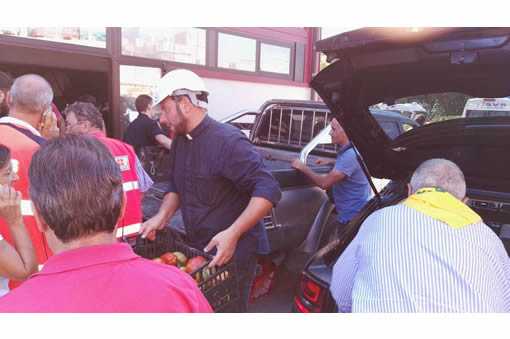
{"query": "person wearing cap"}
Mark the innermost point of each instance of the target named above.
(217, 179)
(144, 131)
(5, 86)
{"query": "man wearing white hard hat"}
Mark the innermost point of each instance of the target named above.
(217, 179)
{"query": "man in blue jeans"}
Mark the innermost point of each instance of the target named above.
(216, 177)
(350, 187)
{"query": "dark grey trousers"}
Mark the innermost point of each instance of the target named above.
(246, 270)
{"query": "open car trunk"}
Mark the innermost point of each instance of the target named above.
(374, 67)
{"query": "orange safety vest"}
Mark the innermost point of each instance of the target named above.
(23, 144)
(125, 156)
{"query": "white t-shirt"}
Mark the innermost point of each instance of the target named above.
(4, 282)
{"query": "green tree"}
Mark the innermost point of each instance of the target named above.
(323, 62)
(440, 106)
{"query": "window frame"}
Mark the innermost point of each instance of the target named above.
(292, 58)
(153, 61)
(56, 46)
(212, 57)
(258, 41)
(217, 52)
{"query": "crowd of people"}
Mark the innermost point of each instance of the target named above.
(73, 220)
(68, 193)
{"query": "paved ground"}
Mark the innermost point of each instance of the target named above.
(281, 297)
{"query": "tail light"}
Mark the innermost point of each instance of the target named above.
(309, 295)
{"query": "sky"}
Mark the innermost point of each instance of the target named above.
(328, 31)
(268, 13)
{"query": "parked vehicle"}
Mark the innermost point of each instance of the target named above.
(409, 110)
(371, 67)
(280, 130)
(487, 107)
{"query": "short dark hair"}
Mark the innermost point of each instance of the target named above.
(142, 102)
(86, 112)
(6, 81)
(76, 186)
(5, 155)
(87, 98)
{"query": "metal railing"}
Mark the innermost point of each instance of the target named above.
(314, 142)
(295, 126)
(288, 123)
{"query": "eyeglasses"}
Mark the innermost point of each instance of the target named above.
(72, 125)
(9, 174)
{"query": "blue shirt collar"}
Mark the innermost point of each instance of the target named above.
(200, 127)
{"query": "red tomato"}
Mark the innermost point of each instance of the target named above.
(194, 263)
(169, 259)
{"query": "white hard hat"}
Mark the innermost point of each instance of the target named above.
(182, 82)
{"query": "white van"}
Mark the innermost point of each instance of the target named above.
(487, 107)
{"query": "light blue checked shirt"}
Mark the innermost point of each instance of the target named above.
(404, 261)
(145, 182)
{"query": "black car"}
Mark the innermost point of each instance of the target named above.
(381, 65)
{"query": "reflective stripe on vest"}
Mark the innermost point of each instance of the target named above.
(130, 185)
(129, 229)
(26, 208)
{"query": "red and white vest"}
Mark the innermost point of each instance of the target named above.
(23, 141)
(125, 156)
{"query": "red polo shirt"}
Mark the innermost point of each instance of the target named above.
(105, 278)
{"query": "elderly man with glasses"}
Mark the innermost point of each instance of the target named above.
(85, 118)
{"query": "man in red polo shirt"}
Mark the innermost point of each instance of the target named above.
(85, 118)
(77, 200)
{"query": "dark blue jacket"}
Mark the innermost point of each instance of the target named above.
(216, 172)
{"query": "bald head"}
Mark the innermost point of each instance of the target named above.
(440, 173)
(30, 93)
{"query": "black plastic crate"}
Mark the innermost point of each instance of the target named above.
(220, 287)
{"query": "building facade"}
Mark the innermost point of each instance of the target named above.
(242, 67)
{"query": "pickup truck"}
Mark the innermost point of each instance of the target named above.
(282, 130)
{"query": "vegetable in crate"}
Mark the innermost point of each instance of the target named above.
(206, 272)
(169, 259)
(194, 263)
(182, 260)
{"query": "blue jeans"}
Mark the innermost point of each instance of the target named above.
(246, 274)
